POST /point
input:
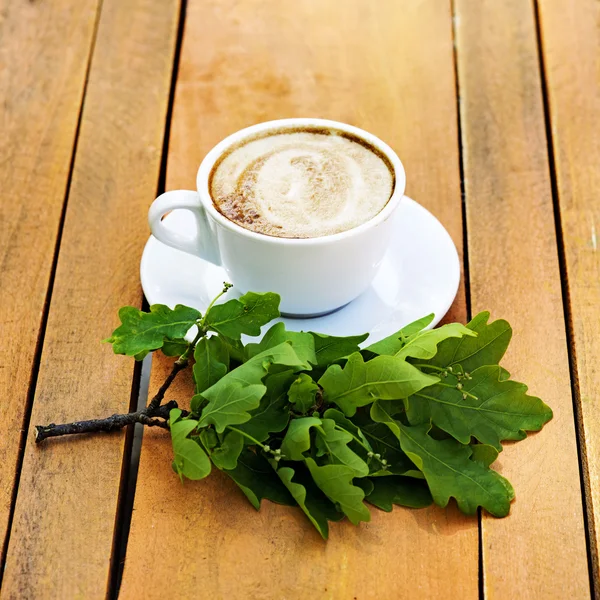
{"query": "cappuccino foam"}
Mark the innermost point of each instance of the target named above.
(301, 183)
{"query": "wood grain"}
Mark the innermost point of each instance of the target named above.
(387, 67)
(62, 535)
(539, 551)
(44, 53)
(571, 45)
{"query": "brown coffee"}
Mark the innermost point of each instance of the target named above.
(301, 183)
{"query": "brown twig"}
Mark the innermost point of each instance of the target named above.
(112, 423)
(154, 415)
(158, 397)
(180, 364)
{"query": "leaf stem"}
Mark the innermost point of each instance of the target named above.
(357, 440)
(433, 367)
(246, 435)
(178, 365)
(226, 287)
(184, 357)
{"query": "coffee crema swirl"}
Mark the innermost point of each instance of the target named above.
(301, 183)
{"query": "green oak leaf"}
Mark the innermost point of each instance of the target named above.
(302, 392)
(472, 352)
(209, 439)
(174, 347)
(359, 383)
(484, 454)
(297, 437)
(404, 491)
(231, 399)
(255, 477)
(365, 484)
(272, 415)
(225, 455)
(190, 460)
(174, 416)
(421, 345)
(342, 421)
(387, 445)
(335, 482)
(424, 345)
(302, 343)
(169, 348)
(395, 407)
(333, 442)
(329, 348)
(488, 407)
(211, 362)
(380, 413)
(254, 369)
(316, 506)
(450, 472)
(231, 404)
(393, 343)
(245, 315)
(235, 348)
(141, 332)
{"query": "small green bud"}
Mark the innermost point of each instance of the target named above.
(459, 386)
(277, 452)
(450, 369)
(378, 456)
(370, 454)
(277, 458)
(464, 396)
(383, 462)
(267, 448)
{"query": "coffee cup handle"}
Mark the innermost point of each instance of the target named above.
(204, 241)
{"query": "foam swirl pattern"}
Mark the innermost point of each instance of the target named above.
(301, 184)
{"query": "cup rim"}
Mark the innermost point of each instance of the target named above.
(206, 166)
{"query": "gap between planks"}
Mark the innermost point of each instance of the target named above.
(131, 460)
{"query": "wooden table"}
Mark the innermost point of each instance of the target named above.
(493, 105)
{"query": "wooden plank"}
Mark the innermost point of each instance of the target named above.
(571, 45)
(386, 67)
(514, 272)
(44, 53)
(62, 535)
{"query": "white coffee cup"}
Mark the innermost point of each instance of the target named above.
(313, 276)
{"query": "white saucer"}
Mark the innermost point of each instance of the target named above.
(419, 275)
